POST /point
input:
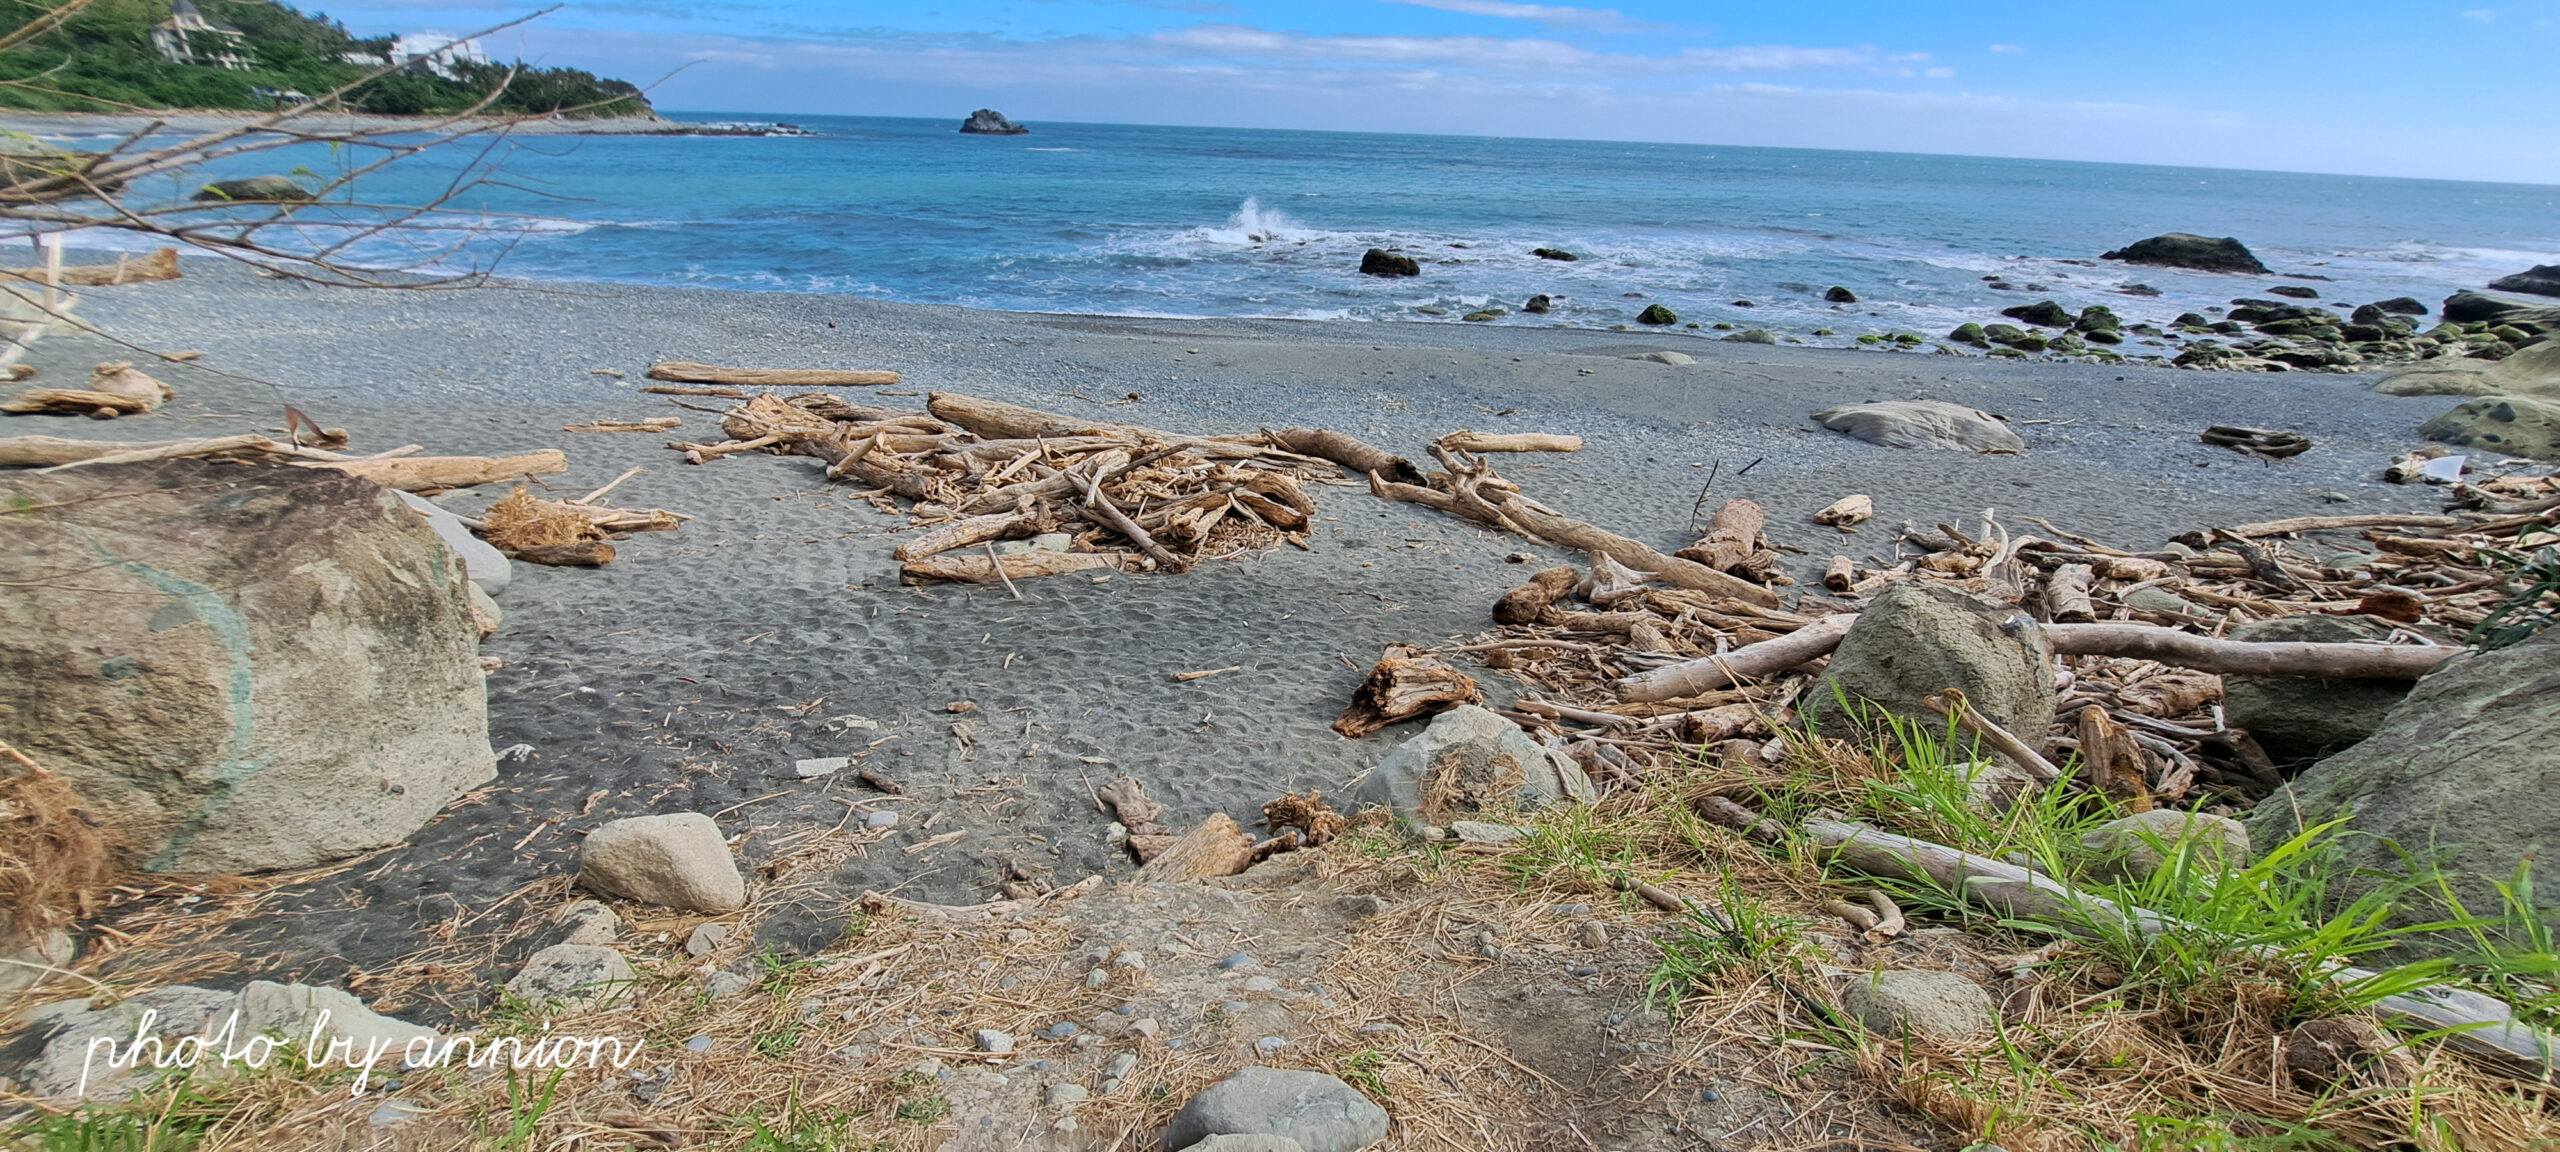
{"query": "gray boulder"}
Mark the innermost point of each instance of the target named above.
(2539, 280)
(573, 973)
(1468, 760)
(2460, 771)
(255, 188)
(2513, 425)
(1915, 640)
(68, 1066)
(1316, 1111)
(2299, 719)
(989, 122)
(2534, 371)
(488, 569)
(2186, 250)
(2134, 847)
(257, 668)
(1751, 336)
(2469, 307)
(1933, 1006)
(678, 860)
(1922, 424)
(1251, 1143)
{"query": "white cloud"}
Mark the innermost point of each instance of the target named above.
(1775, 58)
(2006, 48)
(1939, 73)
(1554, 16)
(2483, 15)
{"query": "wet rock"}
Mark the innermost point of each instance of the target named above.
(1970, 333)
(678, 860)
(1840, 295)
(573, 973)
(1553, 254)
(1931, 1006)
(1658, 315)
(2185, 250)
(255, 188)
(2096, 318)
(1471, 760)
(2299, 719)
(989, 122)
(2297, 291)
(2042, 313)
(1915, 640)
(2403, 306)
(1539, 304)
(1318, 1112)
(2133, 848)
(2539, 280)
(1751, 336)
(2456, 774)
(1922, 424)
(1380, 262)
(258, 668)
(2480, 307)
(2513, 425)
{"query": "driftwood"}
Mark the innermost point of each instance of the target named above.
(649, 424)
(161, 264)
(75, 402)
(995, 570)
(2066, 595)
(2111, 761)
(583, 554)
(2140, 641)
(1215, 847)
(1361, 458)
(438, 473)
(1847, 512)
(1953, 705)
(2317, 523)
(1407, 683)
(2469, 1021)
(974, 530)
(1840, 575)
(56, 451)
(1480, 442)
(684, 371)
(1734, 540)
(1524, 603)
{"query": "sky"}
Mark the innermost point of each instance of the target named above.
(2405, 88)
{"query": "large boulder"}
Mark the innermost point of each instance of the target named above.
(69, 1064)
(2299, 719)
(1318, 1112)
(2539, 280)
(1471, 760)
(989, 122)
(1380, 262)
(2511, 425)
(678, 860)
(2459, 771)
(2533, 371)
(1915, 640)
(1935, 1007)
(2469, 307)
(2184, 250)
(239, 668)
(2130, 849)
(1922, 424)
(2042, 313)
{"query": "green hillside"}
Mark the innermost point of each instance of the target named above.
(103, 60)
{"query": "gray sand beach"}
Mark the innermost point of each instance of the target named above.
(688, 675)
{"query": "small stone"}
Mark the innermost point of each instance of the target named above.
(1061, 1030)
(1096, 978)
(1130, 960)
(1261, 984)
(821, 766)
(1269, 1044)
(1018, 935)
(1592, 935)
(1584, 970)
(1481, 832)
(678, 860)
(994, 1043)
(586, 922)
(723, 985)
(1233, 1007)
(573, 973)
(1062, 1095)
(391, 1112)
(1238, 960)
(1121, 1066)
(878, 820)
(1146, 1027)
(704, 938)
(1082, 1043)
(698, 1044)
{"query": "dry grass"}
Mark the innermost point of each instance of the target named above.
(519, 521)
(54, 860)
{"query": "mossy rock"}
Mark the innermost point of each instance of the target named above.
(1657, 315)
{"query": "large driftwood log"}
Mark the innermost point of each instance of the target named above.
(1523, 604)
(2316, 523)
(963, 533)
(437, 473)
(1463, 441)
(997, 420)
(2066, 595)
(56, 451)
(2470, 1022)
(1360, 457)
(1215, 847)
(2206, 654)
(1021, 566)
(1570, 533)
(2142, 641)
(1407, 683)
(161, 264)
(1733, 539)
(685, 371)
(76, 402)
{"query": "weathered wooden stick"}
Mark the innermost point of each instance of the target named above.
(2316, 523)
(1840, 575)
(2066, 595)
(963, 533)
(1101, 504)
(435, 473)
(35, 401)
(1581, 537)
(1360, 457)
(646, 424)
(582, 554)
(1750, 662)
(1523, 604)
(1954, 706)
(1021, 566)
(688, 372)
(666, 390)
(2206, 654)
(57, 453)
(1480, 442)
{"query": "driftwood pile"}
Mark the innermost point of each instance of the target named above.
(115, 388)
(1634, 666)
(1090, 495)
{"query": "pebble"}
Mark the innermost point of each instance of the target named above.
(1238, 960)
(1232, 1007)
(1269, 1044)
(1709, 1095)
(1592, 935)
(1261, 984)
(1083, 1042)
(1125, 1010)
(1585, 970)
(1096, 978)
(1572, 909)
(1018, 936)
(391, 1112)
(1061, 1030)
(704, 938)
(1382, 1029)
(698, 1044)
(725, 984)
(1061, 1095)
(1146, 1027)
(1121, 1066)
(1130, 960)
(879, 820)
(994, 1043)
(823, 766)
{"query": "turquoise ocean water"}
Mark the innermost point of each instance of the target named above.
(1223, 222)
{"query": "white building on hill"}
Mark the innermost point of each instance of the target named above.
(433, 52)
(186, 37)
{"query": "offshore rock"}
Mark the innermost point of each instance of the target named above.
(2539, 280)
(989, 122)
(1380, 262)
(2184, 250)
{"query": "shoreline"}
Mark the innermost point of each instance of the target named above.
(204, 120)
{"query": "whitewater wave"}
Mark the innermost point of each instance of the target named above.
(1252, 225)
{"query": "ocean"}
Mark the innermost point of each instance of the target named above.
(1159, 221)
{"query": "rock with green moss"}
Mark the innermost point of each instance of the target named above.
(1657, 315)
(1970, 333)
(1479, 317)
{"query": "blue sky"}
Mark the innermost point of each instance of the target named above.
(2408, 88)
